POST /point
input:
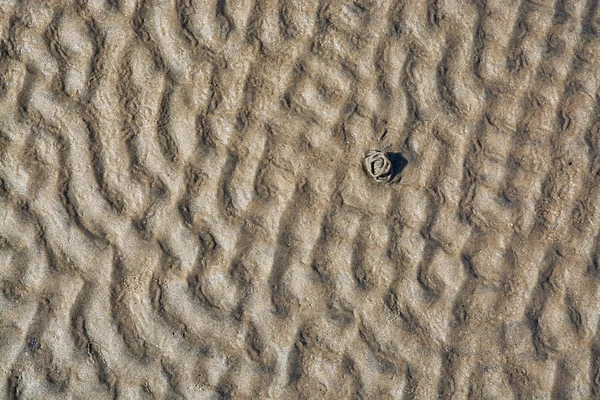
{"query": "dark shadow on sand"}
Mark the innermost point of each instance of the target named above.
(398, 164)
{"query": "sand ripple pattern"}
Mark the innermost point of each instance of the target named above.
(184, 212)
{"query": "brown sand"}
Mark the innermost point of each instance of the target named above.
(184, 211)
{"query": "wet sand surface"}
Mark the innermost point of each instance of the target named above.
(185, 211)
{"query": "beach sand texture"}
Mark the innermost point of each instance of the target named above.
(184, 211)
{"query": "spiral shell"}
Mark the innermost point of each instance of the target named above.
(378, 165)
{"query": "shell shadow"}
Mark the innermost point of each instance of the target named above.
(398, 164)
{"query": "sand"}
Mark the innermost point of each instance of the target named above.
(185, 211)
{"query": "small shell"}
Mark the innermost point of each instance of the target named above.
(378, 165)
